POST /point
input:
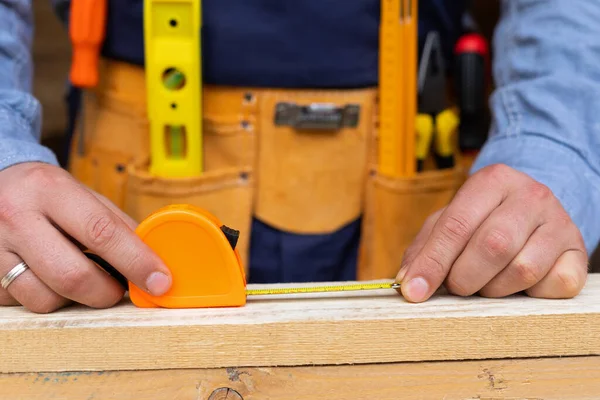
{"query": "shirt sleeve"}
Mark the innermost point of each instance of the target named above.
(20, 111)
(546, 108)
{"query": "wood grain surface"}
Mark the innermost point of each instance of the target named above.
(560, 378)
(324, 329)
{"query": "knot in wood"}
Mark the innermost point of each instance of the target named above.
(225, 394)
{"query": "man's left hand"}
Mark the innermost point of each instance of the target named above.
(502, 233)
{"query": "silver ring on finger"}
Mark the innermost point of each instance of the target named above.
(13, 274)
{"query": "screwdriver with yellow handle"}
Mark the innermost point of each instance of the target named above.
(424, 127)
(446, 127)
(441, 131)
(436, 121)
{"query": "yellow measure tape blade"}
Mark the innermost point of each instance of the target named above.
(172, 30)
(322, 289)
(397, 87)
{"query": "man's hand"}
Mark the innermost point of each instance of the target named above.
(46, 218)
(502, 233)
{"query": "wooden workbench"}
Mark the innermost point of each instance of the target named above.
(360, 345)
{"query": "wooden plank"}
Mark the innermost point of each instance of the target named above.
(559, 378)
(340, 328)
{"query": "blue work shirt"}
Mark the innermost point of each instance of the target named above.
(285, 43)
(545, 107)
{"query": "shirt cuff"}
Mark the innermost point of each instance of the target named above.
(20, 119)
(565, 172)
(15, 151)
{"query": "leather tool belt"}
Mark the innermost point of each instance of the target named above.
(303, 161)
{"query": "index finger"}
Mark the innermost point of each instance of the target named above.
(81, 215)
(472, 204)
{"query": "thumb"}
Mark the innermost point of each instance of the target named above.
(417, 244)
(415, 288)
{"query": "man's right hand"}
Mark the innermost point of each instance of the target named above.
(46, 219)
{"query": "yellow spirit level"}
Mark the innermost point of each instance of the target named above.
(172, 31)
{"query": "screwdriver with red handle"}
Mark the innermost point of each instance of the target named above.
(87, 29)
(472, 64)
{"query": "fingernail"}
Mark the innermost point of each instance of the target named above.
(158, 283)
(416, 289)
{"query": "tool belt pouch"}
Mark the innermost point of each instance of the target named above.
(395, 211)
(112, 136)
(226, 193)
(312, 158)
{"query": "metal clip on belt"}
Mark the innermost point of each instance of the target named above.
(319, 116)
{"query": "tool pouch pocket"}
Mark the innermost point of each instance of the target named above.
(395, 211)
(113, 137)
(226, 193)
(313, 148)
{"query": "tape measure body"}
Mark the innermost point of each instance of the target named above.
(206, 268)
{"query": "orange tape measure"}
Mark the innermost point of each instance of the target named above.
(200, 253)
(205, 265)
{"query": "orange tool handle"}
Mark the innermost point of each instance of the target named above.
(87, 28)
